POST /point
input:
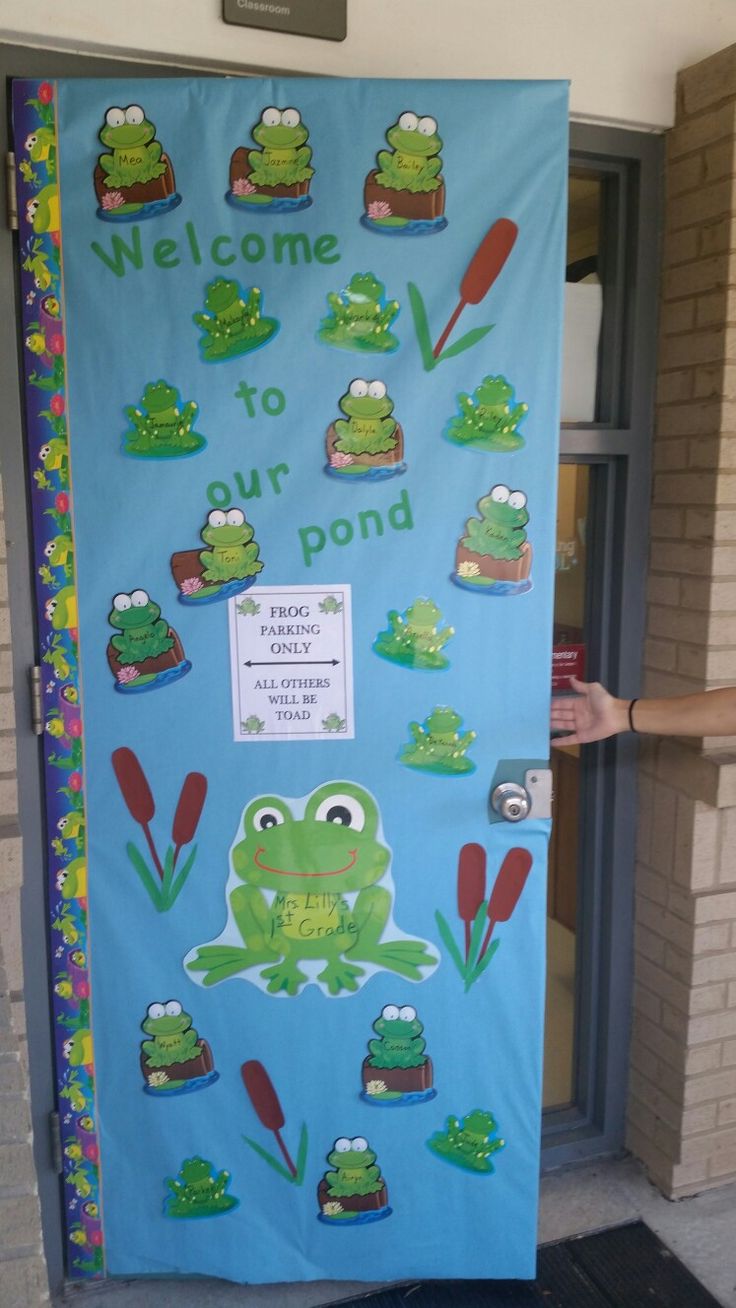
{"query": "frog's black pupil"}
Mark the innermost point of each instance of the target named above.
(340, 815)
(268, 820)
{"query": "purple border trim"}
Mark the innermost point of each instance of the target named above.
(44, 377)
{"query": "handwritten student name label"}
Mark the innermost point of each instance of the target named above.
(291, 659)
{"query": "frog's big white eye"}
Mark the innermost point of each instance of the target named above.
(217, 518)
(139, 599)
(377, 390)
(342, 811)
(407, 1013)
(291, 118)
(121, 603)
(500, 494)
(115, 117)
(342, 1146)
(134, 115)
(156, 1010)
(360, 1144)
(173, 1008)
(270, 117)
(517, 500)
(390, 1013)
(408, 122)
(358, 388)
(267, 817)
(235, 518)
(427, 126)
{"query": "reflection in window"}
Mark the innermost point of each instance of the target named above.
(583, 299)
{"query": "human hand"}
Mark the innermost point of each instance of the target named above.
(592, 714)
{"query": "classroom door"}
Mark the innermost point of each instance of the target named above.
(291, 363)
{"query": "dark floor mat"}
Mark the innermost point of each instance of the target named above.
(624, 1267)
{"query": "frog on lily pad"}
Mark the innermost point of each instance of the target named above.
(161, 425)
(489, 419)
(438, 745)
(360, 317)
(415, 638)
(494, 555)
(134, 179)
(145, 652)
(353, 1191)
(174, 1060)
(368, 443)
(229, 565)
(397, 1070)
(405, 194)
(198, 1191)
(468, 1142)
(274, 178)
(293, 927)
(232, 324)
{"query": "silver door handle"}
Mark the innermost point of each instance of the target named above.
(511, 801)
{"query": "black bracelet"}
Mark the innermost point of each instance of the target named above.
(631, 718)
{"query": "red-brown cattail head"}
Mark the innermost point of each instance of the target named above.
(509, 884)
(189, 808)
(471, 881)
(135, 789)
(488, 260)
(262, 1094)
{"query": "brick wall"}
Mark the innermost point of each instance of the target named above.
(23, 1282)
(682, 1104)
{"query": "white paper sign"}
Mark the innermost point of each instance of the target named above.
(291, 659)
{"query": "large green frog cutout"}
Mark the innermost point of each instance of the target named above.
(310, 908)
(360, 318)
(232, 324)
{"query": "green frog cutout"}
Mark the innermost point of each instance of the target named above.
(354, 1191)
(415, 638)
(161, 426)
(438, 746)
(489, 419)
(229, 564)
(405, 194)
(397, 1070)
(145, 651)
(368, 443)
(135, 179)
(468, 1142)
(360, 317)
(198, 1191)
(494, 555)
(310, 909)
(232, 324)
(174, 1059)
(275, 177)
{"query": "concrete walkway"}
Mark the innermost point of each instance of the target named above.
(701, 1231)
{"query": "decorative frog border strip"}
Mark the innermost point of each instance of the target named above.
(44, 371)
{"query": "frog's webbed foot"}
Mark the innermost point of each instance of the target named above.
(339, 975)
(405, 957)
(284, 975)
(222, 961)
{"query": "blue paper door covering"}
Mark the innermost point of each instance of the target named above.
(291, 359)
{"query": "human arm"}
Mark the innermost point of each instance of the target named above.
(594, 714)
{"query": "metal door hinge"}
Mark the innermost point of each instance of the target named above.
(11, 192)
(57, 1157)
(36, 701)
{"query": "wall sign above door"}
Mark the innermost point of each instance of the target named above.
(327, 19)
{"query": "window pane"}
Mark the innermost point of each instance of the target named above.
(562, 915)
(583, 298)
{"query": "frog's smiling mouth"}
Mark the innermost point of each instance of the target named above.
(287, 872)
